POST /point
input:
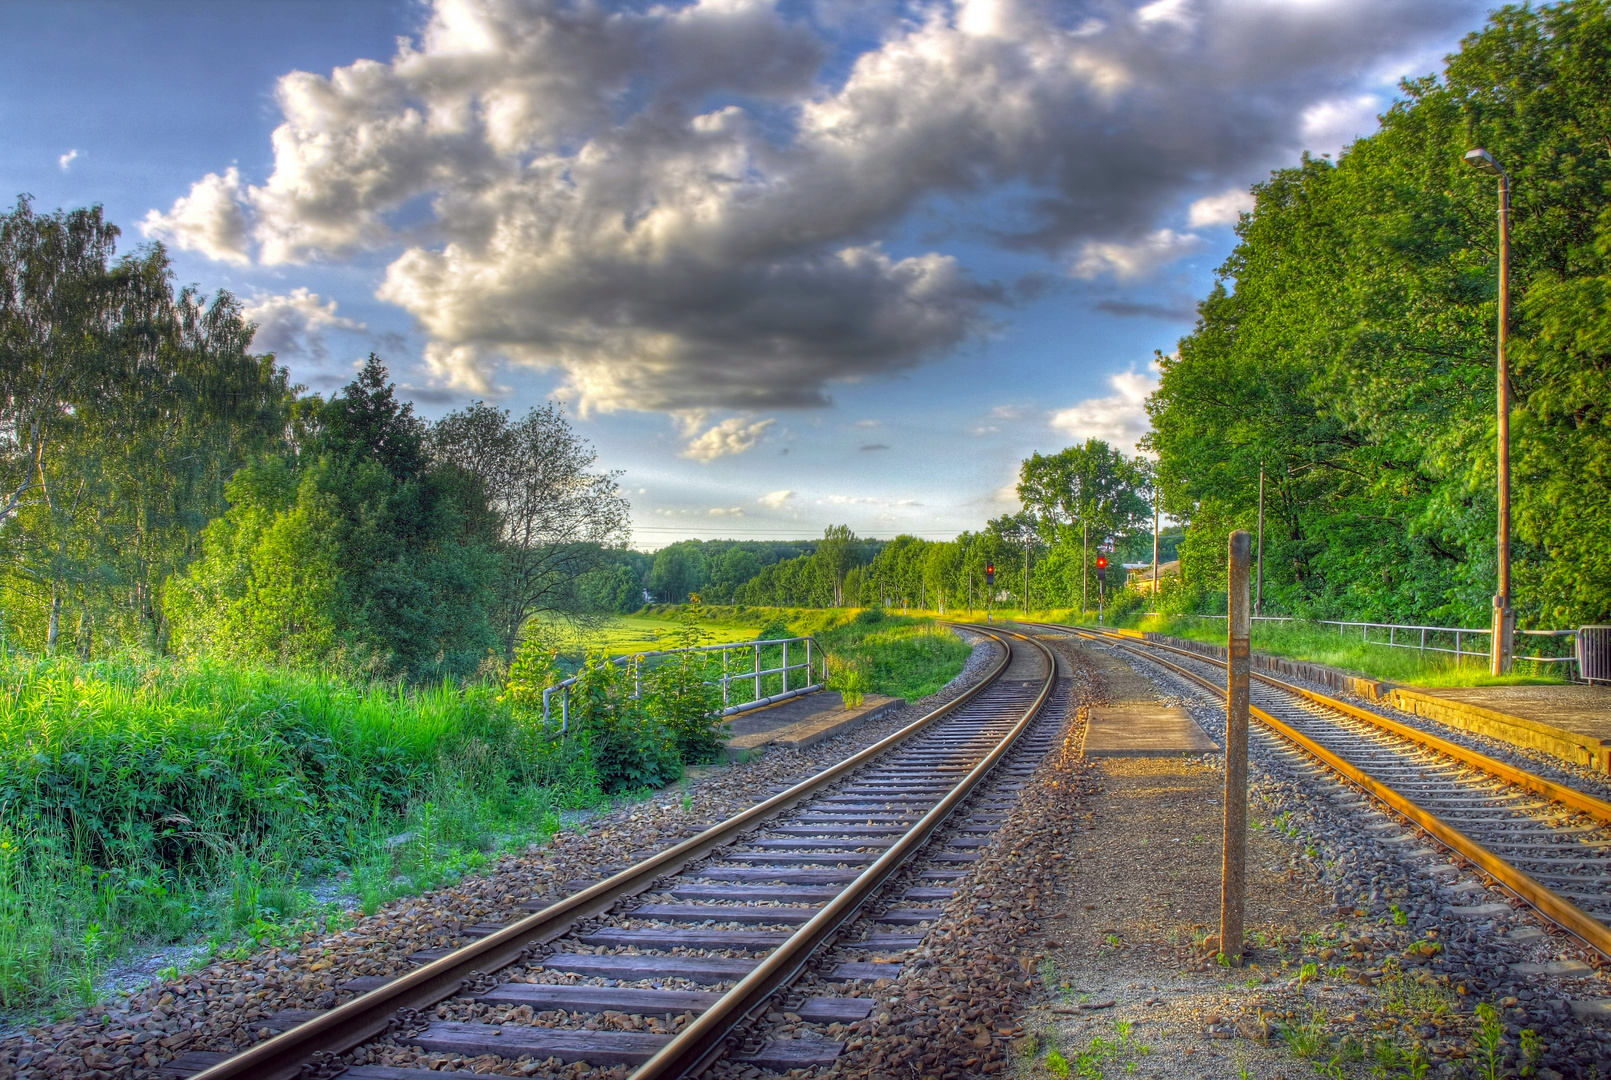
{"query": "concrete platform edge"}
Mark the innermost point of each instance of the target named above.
(741, 748)
(1557, 742)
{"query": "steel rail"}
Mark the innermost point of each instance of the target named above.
(700, 1043)
(1598, 809)
(368, 1015)
(1554, 907)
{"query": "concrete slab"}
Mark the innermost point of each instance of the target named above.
(1582, 709)
(803, 721)
(1137, 730)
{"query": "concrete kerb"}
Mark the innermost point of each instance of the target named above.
(1569, 746)
(808, 733)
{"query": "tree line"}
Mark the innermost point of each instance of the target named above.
(1348, 350)
(1083, 501)
(164, 488)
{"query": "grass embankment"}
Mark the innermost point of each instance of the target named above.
(149, 802)
(870, 651)
(1349, 651)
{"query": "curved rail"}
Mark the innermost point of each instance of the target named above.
(701, 1042)
(1546, 901)
(369, 1015)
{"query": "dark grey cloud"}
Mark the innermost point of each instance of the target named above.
(875, 446)
(1178, 310)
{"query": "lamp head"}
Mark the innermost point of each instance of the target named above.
(1483, 161)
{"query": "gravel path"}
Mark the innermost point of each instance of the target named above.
(219, 1006)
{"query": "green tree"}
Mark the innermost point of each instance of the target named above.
(125, 406)
(404, 551)
(1091, 490)
(554, 519)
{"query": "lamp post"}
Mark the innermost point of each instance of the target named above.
(1504, 618)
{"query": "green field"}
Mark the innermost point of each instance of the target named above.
(627, 634)
(908, 656)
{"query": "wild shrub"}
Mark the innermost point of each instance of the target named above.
(849, 676)
(630, 749)
(776, 629)
(683, 695)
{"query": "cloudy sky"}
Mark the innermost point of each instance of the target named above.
(788, 263)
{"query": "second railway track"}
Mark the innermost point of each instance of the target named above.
(1546, 844)
(662, 966)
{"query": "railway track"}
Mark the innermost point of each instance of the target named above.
(1546, 844)
(665, 966)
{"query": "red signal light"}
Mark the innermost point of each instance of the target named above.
(990, 568)
(1101, 562)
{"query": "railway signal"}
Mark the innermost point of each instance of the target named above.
(1101, 585)
(990, 590)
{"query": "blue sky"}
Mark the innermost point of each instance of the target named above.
(789, 264)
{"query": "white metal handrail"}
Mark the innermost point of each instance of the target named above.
(753, 672)
(1392, 629)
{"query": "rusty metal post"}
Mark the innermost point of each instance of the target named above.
(1504, 620)
(1233, 894)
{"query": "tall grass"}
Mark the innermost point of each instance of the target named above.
(895, 655)
(144, 801)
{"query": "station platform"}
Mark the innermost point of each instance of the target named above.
(1568, 721)
(1141, 730)
(803, 721)
(1134, 723)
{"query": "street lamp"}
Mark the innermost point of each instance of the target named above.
(1504, 624)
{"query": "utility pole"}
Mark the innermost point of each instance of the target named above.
(1503, 635)
(1233, 889)
(1258, 595)
(1155, 544)
(1085, 573)
(1027, 542)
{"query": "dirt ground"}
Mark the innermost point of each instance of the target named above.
(1131, 984)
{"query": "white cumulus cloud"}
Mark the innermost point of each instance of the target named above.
(732, 436)
(67, 159)
(1128, 260)
(292, 324)
(211, 219)
(1119, 418)
(1226, 208)
(1329, 126)
(776, 500)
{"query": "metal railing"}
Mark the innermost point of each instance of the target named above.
(751, 674)
(1460, 634)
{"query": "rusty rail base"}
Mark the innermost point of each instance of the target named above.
(369, 1015)
(1552, 906)
(699, 1044)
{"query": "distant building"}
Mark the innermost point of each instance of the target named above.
(1141, 574)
